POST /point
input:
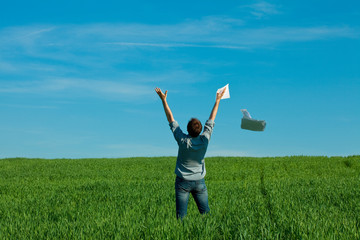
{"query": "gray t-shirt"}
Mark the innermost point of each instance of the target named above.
(190, 164)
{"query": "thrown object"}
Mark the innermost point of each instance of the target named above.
(226, 93)
(251, 124)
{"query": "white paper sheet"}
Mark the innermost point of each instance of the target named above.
(227, 92)
(246, 113)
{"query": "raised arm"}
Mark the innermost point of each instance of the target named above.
(216, 105)
(167, 110)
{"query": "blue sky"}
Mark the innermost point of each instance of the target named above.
(77, 78)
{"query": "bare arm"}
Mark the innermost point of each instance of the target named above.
(216, 105)
(167, 110)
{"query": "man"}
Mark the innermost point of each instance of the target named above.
(190, 164)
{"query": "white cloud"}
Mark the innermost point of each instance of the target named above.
(126, 86)
(6, 66)
(276, 35)
(262, 8)
(28, 106)
(41, 58)
(173, 45)
(211, 32)
(120, 90)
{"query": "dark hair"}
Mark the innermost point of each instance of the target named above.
(194, 127)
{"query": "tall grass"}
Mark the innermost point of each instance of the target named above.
(250, 198)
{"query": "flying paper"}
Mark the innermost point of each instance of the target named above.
(246, 113)
(249, 123)
(226, 94)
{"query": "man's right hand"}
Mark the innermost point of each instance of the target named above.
(219, 95)
(161, 94)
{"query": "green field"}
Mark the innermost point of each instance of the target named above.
(295, 197)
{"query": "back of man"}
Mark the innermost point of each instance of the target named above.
(190, 164)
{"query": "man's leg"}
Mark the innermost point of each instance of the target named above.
(200, 195)
(182, 192)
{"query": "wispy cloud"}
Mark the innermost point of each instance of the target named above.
(210, 32)
(276, 35)
(126, 86)
(262, 8)
(6, 66)
(28, 106)
(122, 89)
(173, 45)
(228, 36)
(86, 58)
(71, 48)
(82, 49)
